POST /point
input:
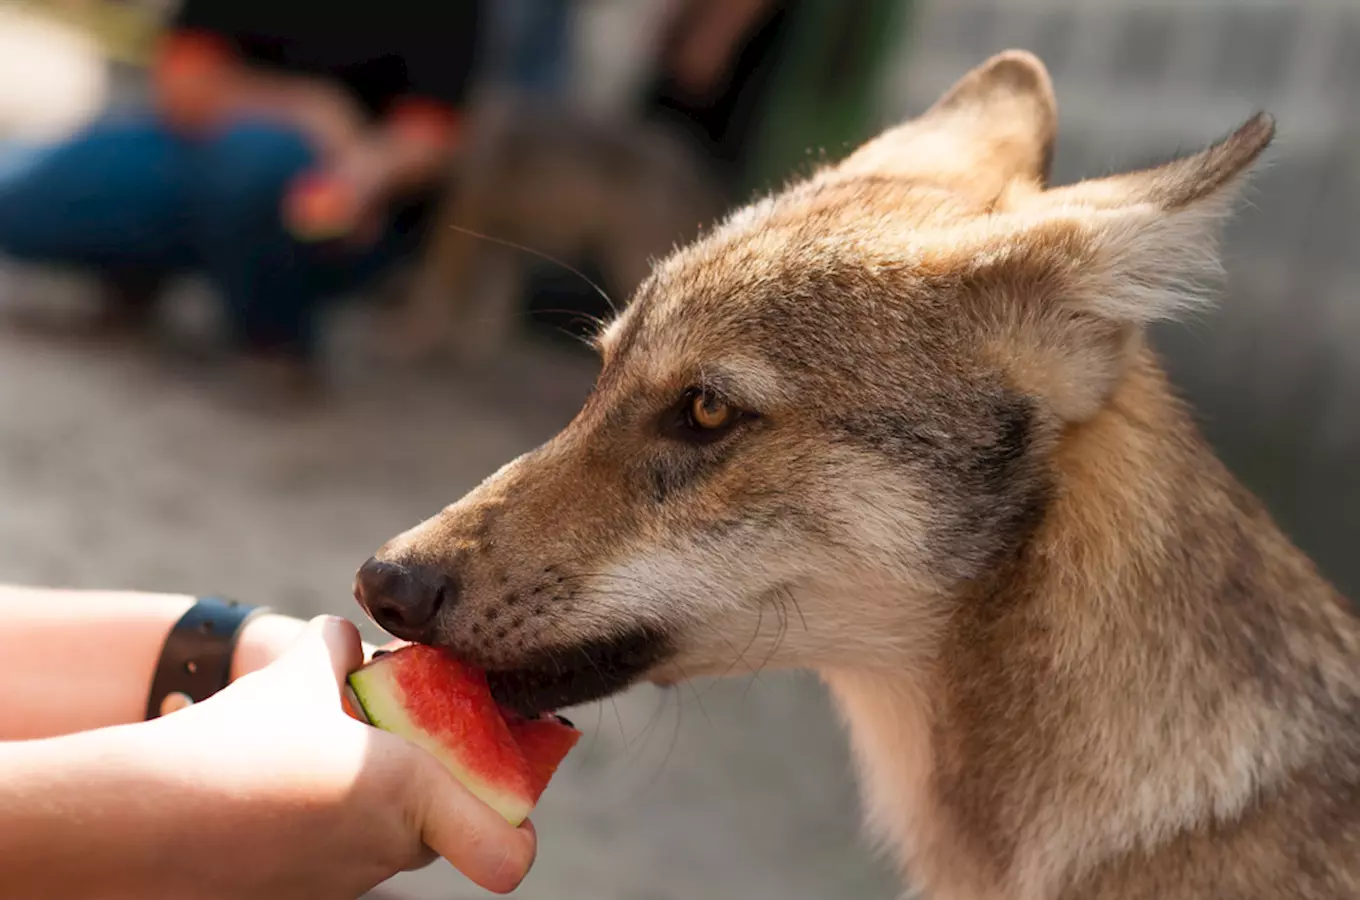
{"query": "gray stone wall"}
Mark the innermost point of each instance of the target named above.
(1273, 371)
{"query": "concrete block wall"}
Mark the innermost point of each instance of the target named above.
(1275, 370)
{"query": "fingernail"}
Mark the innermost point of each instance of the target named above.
(328, 626)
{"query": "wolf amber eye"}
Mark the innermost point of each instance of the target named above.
(702, 416)
(709, 412)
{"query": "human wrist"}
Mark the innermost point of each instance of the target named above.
(417, 120)
(415, 142)
(404, 163)
(263, 639)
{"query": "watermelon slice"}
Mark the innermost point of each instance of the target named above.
(427, 696)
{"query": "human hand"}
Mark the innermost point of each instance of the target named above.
(324, 111)
(272, 790)
(200, 87)
(345, 199)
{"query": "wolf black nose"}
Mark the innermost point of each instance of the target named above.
(403, 600)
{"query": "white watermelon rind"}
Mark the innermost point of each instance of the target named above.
(377, 692)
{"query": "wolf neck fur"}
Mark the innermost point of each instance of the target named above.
(1157, 658)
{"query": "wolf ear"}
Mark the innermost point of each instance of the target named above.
(1150, 238)
(995, 125)
(1095, 262)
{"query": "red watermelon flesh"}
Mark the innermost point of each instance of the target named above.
(429, 697)
(544, 743)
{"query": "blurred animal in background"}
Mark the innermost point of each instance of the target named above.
(540, 179)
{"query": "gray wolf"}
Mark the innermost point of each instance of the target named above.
(900, 424)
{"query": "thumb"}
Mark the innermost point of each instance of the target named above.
(321, 658)
(473, 837)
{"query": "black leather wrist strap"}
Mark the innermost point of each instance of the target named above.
(195, 662)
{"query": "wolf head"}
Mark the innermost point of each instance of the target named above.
(820, 428)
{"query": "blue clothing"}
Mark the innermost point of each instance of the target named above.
(129, 195)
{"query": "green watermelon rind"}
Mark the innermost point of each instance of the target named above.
(377, 692)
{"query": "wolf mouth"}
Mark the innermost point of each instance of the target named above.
(570, 675)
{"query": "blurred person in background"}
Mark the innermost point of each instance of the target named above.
(294, 151)
(760, 85)
(712, 67)
(755, 88)
(715, 63)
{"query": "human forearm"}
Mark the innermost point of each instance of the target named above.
(200, 83)
(168, 809)
(319, 109)
(266, 789)
(411, 149)
(80, 818)
(74, 660)
(408, 153)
